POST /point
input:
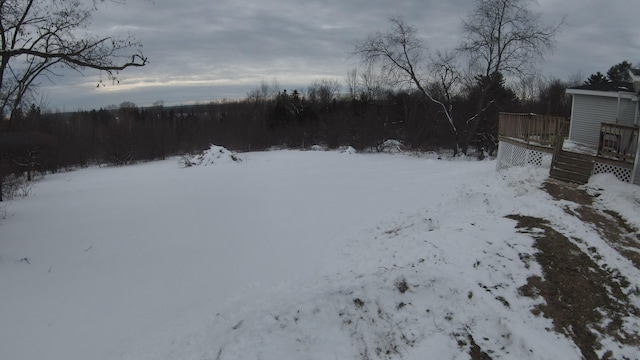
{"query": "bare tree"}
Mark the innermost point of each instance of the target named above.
(502, 38)
(371, 84)
(527, 87)
(575, 79)
(323, 91)
(447, 78)
(263, 93)
(400, 54)
(352, 83)
(506, 36)
(39, 36)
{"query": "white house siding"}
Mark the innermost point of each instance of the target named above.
(627, 112)
(590, 111)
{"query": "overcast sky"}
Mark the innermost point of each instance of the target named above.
(204, 50)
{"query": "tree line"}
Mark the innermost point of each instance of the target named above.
(362, 117)
(401, 90)
(358, 111)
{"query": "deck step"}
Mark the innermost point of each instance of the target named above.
(569, 176)
(577, 166)
(571, 167)
(576, 156)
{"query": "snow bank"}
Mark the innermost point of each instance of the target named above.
(214, 155)
(348, 150)
(318, 148)
(619, 196)
(390, 146)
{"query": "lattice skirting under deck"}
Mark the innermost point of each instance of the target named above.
(510, 155)
(623, 174)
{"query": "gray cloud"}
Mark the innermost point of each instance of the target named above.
(202, 50)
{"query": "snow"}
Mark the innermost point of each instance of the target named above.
(391, 146)
(621, 197)
(348, 150)
(576, 147)
(286, 255)
(317, 148)
(214, 155)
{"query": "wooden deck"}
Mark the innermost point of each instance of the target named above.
(616, 152)
(542, 130)
(577, 167)
(618, 142)
(527, 145)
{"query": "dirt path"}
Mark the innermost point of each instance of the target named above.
(586, 301)
(612, 228)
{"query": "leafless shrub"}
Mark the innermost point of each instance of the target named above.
(15, 186)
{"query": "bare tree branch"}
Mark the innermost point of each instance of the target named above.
(506, 36)
(399, 52)
(502, 38)
(38, 35)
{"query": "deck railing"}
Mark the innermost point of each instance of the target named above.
(618, 142)
(531, 128)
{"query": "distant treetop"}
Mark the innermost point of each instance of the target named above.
(616, 73)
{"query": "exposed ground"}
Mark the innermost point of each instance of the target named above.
(584, 298)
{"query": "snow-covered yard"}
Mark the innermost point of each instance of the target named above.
(299, 255)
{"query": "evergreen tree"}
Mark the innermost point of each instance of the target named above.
(597, 78)
(620, 72)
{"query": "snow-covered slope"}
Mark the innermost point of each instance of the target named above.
(286, 255)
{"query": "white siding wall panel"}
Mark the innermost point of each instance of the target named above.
(588, 113)
(627, 112)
